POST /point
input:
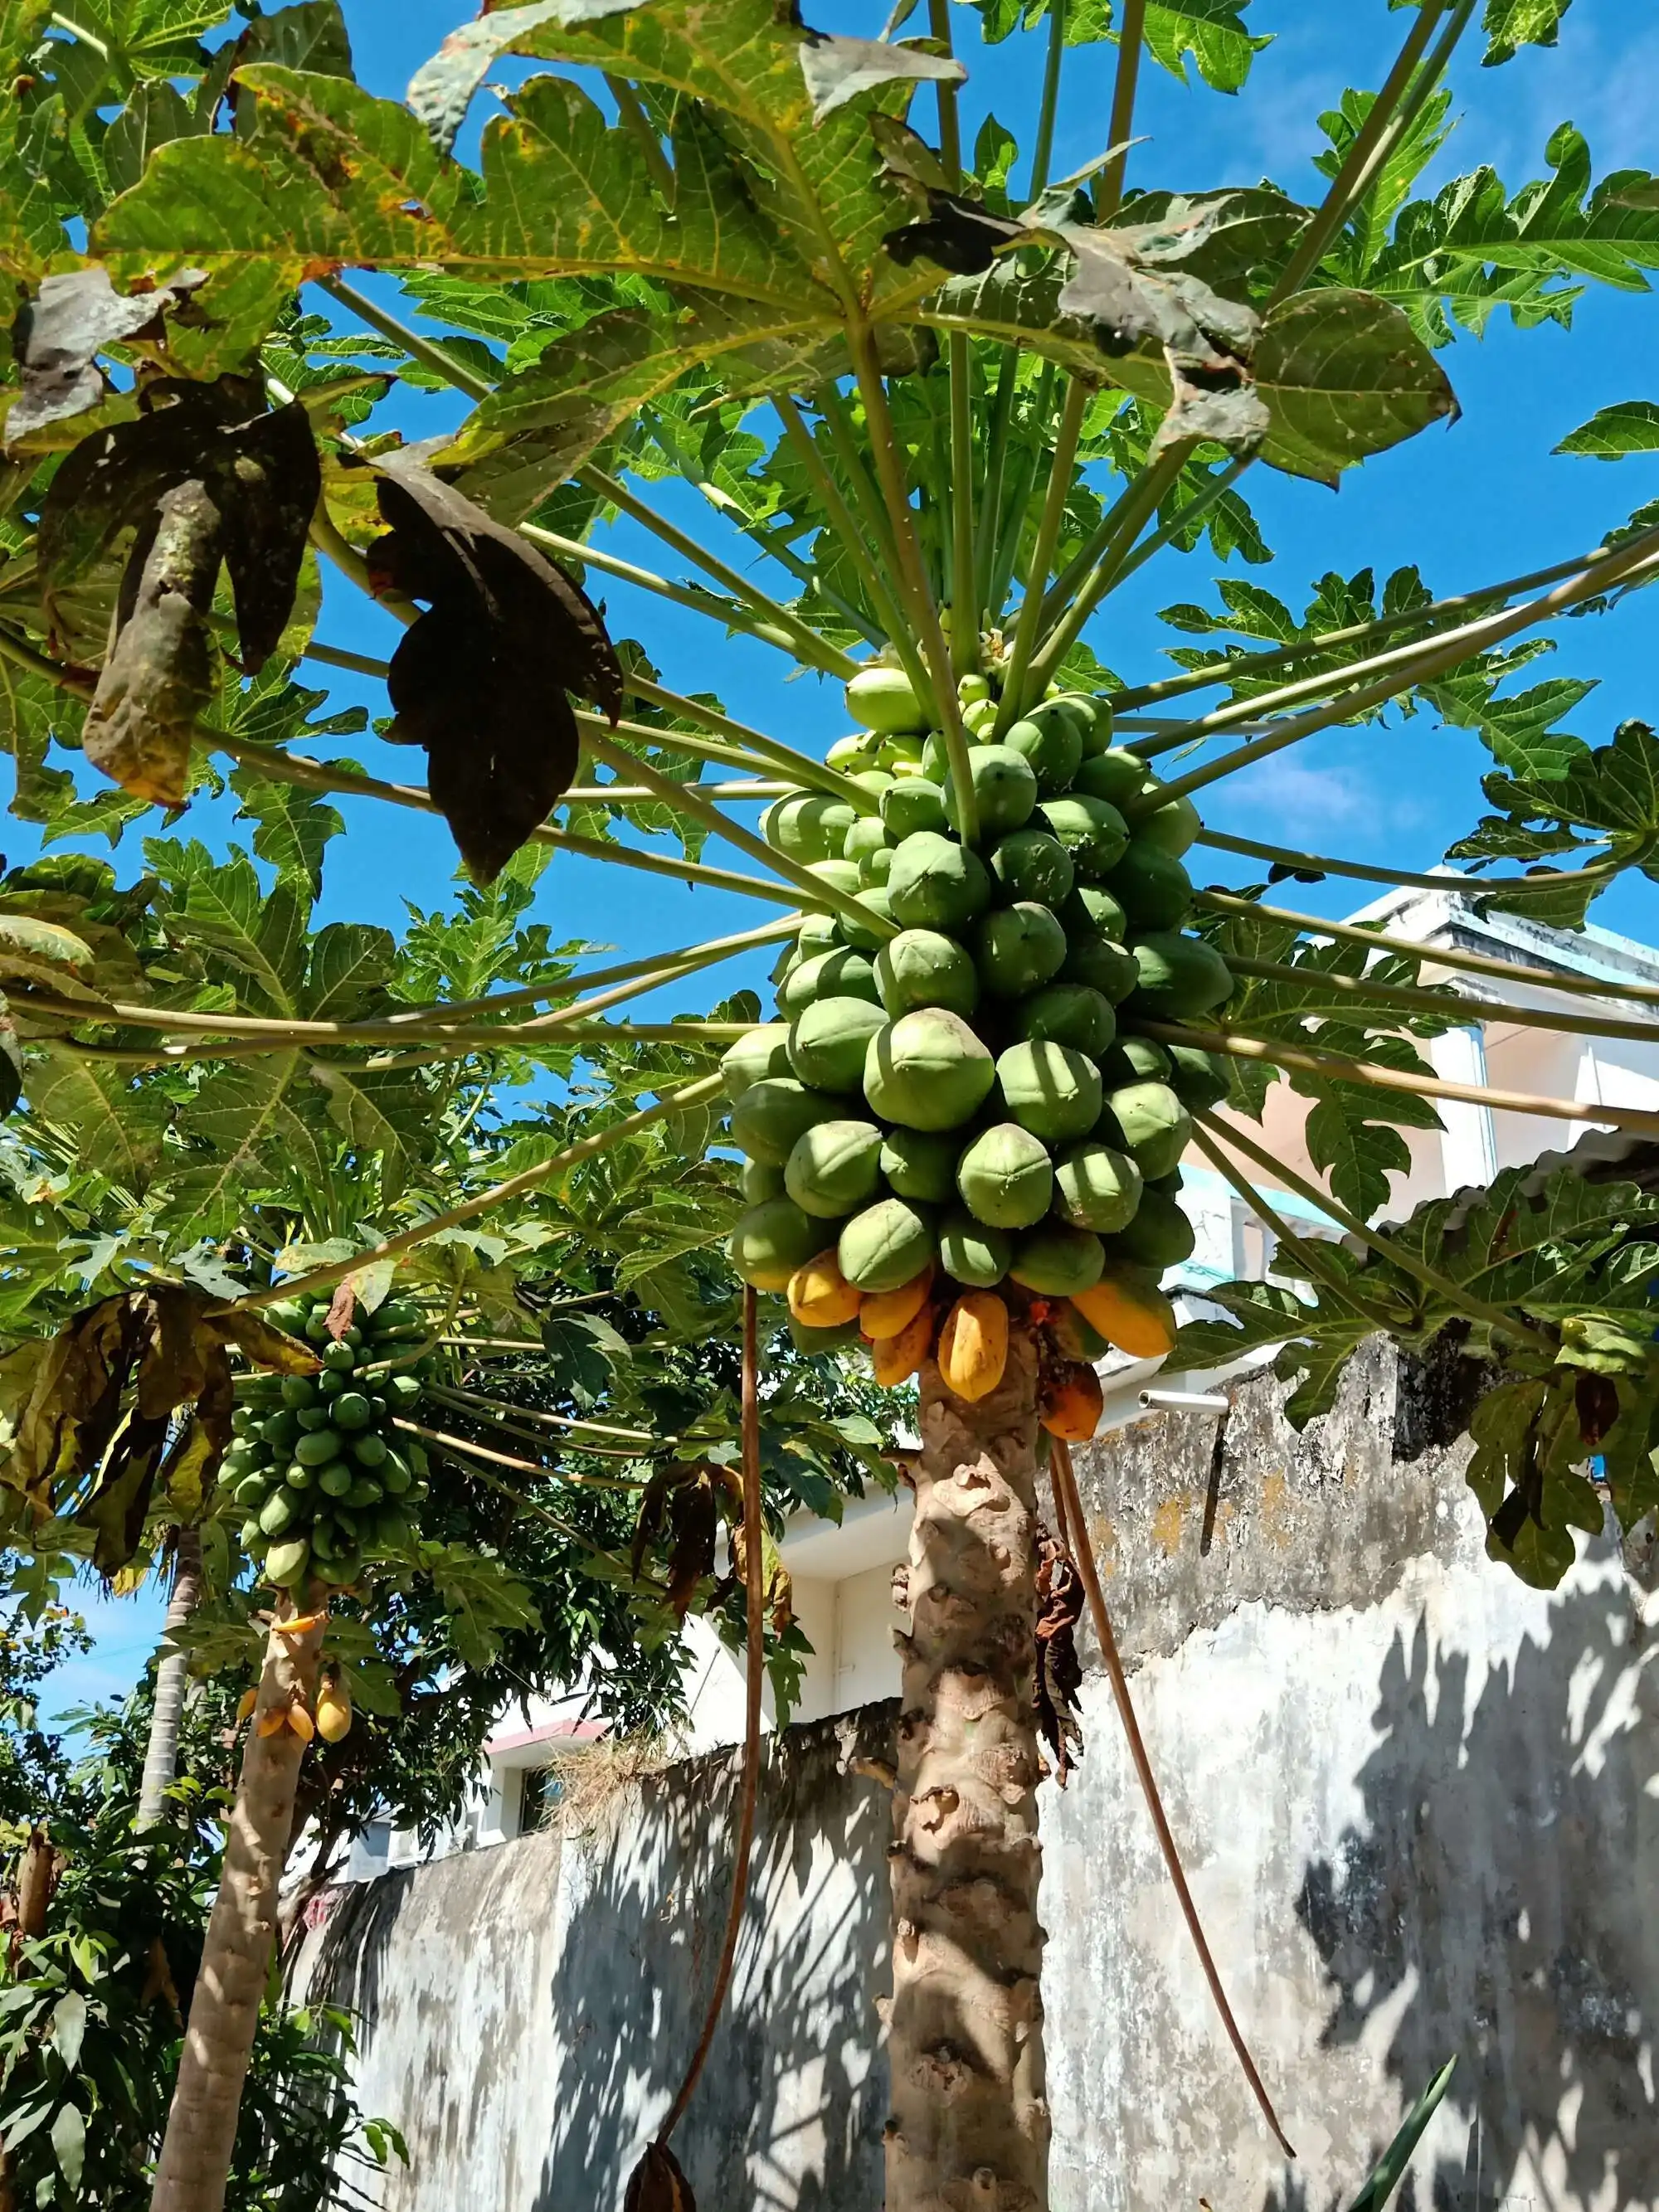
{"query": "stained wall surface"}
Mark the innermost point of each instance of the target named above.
(1420, 1806)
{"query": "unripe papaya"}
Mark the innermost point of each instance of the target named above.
(1129, 1313)
(828, 1041)
(771, 1241)
(808, 826)
(884, 700)
(1005, 788)
(889, 1313)
(972, 1345)
(820, 1295)
(894, 1359)
(1114, 775)
(841, 974)
(1072, 1402)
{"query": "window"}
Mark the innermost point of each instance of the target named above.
(538, 1794)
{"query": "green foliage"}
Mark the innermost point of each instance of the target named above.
(93, 2008)
(1573, 1260)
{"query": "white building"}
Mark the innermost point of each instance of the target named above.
(842, 1574)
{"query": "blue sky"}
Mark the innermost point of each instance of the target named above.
(1479, 500)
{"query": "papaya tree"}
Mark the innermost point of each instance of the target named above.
(953, 403)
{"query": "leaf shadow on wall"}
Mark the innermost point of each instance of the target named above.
(789, 2110)
(1505, 1871)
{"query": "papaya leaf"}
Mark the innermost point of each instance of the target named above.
(1630, 426)
(57, 338)
(480, 680)
(1344, 376)
(1511, 24)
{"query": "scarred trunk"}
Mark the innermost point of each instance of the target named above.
(236, 1954)
(969, 2130)
(161, 1751)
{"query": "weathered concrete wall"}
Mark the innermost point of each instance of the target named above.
(1421, 1810)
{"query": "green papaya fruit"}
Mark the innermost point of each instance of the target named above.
(1097, 1187)
(1134, 1059)
(928, 1070)
(924, 968)
(1018, 948)
(870, 936)
(842, 974)
(1094, 833)
(1032, 865)
(808, 826)
(1198, 1079)
(1050, 1089)
(936, 884)
(764, 1052)
(884, 700)
(1069, 1014)
(1149, 1122)
(972, 1254)
(1159, 1236)
(913, 805)
(1151, 887)
(1178, 978)
(1056, 1260)
(770, 1115)
(1114, 776)
(1005, 788)
(286, 1564)
(835, 1169)
(1173, 827)
(758, 1181)
(885, 1246)
(828, 1044)
(920, 1164)
(771, 1241)
(1050, 739)
(1006, 1178)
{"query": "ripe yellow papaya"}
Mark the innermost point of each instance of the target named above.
(972, 1345)
(245, 1709)
(333, 1712)
(895, 1358)
(820, 1295)
(1134, 1316)
(300, 1722)
(1072, 1403)
(888, 1313)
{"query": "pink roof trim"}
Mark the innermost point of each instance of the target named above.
(575, 1731)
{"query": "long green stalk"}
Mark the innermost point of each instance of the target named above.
(996, 462)
(1397, 1255)
(1238, 1044)
(815, 651)
(1253, 664)
(1412, 998)
(801, 766)
(1547, 882)
(1213, 489)
(1014, 508)
(1355, 170)
(1016, 693)
(1042, 149)
(865, 551)
(1131, 31)
(704, 1090)
(964, 608)
(1435, 955)
(1140, 499)
(889, 474)
(1412, 665)
(1315, 1264)
(687, 798)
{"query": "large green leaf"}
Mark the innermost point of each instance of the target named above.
(116, 1123)
(1511, 24)
(1345, 376)
(328, 175)
(537, 427)
(245, 1118)
(1631, 427)
(1211, 31)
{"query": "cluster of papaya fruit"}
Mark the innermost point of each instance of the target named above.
(967, 1104)
(326, 1481)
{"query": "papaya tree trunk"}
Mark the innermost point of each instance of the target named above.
(236, 1954)
(161, 1751)
(969, 2130)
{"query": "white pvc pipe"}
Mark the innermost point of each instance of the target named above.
(1183, 1401)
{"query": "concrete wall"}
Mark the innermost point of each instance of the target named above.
(1420, 1806)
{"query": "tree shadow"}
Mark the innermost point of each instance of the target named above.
(1492, 1903)
(790, 2107)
